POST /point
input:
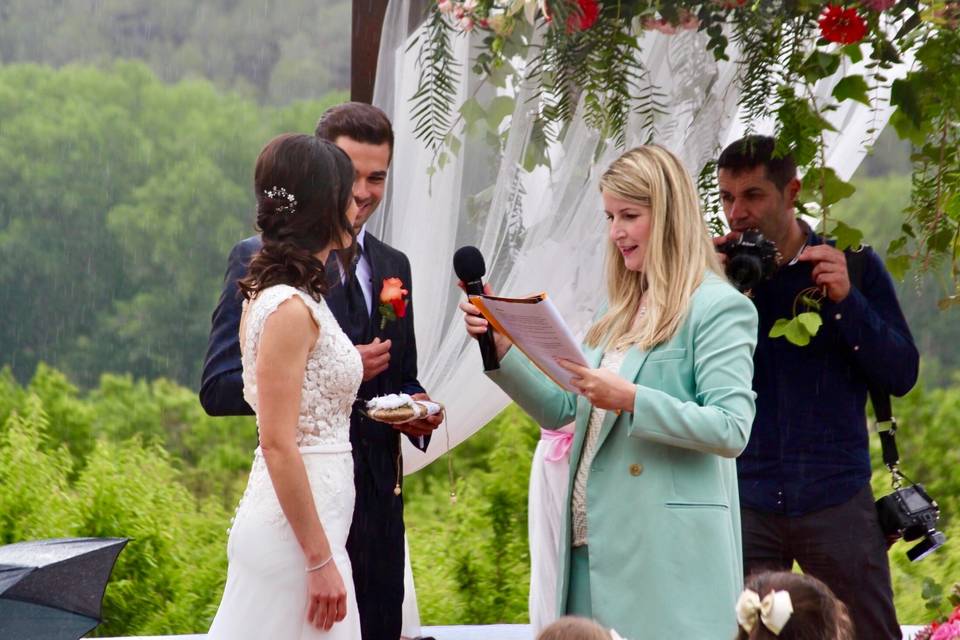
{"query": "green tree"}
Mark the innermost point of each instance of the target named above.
(120, 197)
(276, 51)
(877, 210)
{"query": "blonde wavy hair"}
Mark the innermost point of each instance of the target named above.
(678, 254)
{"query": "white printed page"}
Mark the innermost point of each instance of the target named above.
(536, 328)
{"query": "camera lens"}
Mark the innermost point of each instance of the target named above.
(933, 541)
(744, 271)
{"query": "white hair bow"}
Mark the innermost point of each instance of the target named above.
(774, 610)
(614, 635)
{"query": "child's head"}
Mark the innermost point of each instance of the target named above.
(574, 628)
(789, 606)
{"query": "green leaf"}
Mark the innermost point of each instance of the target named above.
(847, 237)
(454, 143)
(852, 88)
(897, 245)
(931, 589)
(906, 129)
(798, 330)
(442, 159)
(500, 108)
(779, 328)
(535, 154)
(472, 113)
(797, 333)
(898, 266)
(888, 52)
(499, 74)
(811, 322)
(819, 64)
(905, 96)
(853, 52)
(834, 189)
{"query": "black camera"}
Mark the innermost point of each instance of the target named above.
(910, 512)
(751, 259)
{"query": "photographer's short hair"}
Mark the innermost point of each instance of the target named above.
(754, 151)
(358, 121)
(817, 613)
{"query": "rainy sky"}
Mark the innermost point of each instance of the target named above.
(128, 131)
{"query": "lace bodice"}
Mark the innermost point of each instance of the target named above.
(333, 375)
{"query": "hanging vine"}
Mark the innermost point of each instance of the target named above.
(589, 54)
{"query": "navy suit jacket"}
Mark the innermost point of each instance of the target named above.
(221, 388)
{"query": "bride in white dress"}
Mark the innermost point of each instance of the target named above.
(289, 577)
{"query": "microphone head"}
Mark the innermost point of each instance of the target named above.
(468, 264)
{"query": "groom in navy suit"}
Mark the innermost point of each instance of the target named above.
(389, 352)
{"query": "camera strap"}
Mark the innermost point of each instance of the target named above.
(886, 423)
(887, 428)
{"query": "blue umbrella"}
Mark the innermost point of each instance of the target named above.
(53, 589)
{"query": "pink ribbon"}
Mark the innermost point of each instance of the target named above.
(558, 444)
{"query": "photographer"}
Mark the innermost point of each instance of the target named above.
(805, 474)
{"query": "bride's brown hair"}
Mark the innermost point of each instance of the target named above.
(303, 187)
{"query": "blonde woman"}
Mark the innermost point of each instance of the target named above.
(652, 531)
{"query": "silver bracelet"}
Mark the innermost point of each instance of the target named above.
(321, 565)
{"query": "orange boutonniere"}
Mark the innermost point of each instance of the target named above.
(393, 301)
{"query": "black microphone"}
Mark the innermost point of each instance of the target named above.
(470, 268)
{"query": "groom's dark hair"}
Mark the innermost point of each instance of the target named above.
(358, 121)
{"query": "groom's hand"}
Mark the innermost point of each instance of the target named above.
(375, 357)
(423, 426)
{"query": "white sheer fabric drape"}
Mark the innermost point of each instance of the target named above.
(541, 230)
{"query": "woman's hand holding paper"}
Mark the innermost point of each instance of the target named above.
(603, 388)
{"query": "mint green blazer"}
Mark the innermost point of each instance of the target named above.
(663, 511)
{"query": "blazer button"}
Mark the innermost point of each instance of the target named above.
(636, 469)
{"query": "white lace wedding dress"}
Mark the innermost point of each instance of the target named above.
(265, 597)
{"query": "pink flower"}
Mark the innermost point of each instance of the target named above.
(947, 631)
(659, 24)
(445, 6)
(689, 20)
(879, 5)
(466, 23)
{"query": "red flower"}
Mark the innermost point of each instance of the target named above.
(393, 303)
(584, 16)
(842, 25)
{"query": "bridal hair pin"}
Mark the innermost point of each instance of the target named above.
(280, 193)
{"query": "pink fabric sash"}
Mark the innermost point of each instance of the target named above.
(558, 444)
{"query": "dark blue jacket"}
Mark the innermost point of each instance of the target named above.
(809, 446)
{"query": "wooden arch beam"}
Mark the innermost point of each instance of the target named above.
(366, 26)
